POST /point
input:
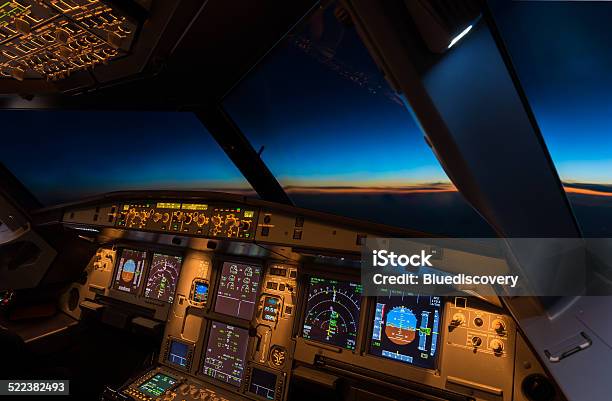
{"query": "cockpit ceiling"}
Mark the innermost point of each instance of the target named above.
(52, 39)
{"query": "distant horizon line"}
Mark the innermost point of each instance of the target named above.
(425, 188)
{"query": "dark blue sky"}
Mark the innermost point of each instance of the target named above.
(327, 117)
(66, 155)
(563, 54)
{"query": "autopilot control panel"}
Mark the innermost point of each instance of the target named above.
(216, 221)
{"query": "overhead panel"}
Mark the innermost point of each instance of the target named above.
(51, 39)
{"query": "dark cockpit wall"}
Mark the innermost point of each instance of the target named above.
(430, 87)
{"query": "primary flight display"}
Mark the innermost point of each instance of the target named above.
(407, 329)
(130, 269)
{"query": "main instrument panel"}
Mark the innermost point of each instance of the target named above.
(241, 321)
(237, 328)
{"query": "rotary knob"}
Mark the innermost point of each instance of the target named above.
(157, 217)
(245, 225)
(216, 220)
(497, 346)
(499, 326)
(458, 319)
(231, 220)
(165, 217)
(476, 341)
(188, 219)
(201, 220)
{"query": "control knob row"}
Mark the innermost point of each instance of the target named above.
(195, 392)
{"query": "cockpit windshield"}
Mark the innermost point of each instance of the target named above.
(339, 138)
(574, 61)
(64, 156)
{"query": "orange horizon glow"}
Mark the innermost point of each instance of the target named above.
(425, 189)
(400, 190)
(584, 191)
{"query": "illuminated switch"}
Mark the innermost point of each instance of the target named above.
(297, 234)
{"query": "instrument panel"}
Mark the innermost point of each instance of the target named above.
(239, 323)
(238, 327)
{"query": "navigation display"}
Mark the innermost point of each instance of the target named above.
(157, 385)
(178, 354)
(407, 329)
(332, 312)
(163, 277)
(263, 383)
(225, 353)
(238, 290)
(130, 270)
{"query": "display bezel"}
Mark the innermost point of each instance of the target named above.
(118, 254)
(370, 327)
(247, 384)
(150, 257)
(190, 353)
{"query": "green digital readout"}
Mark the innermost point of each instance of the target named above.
(157, 385)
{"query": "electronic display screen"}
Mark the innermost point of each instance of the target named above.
(163, 277)
(178, 354)
(332, 312)
(271, 308)
(226, 353)
(130, 270)
(263, 383)
(200, 292)
(407, 329)
(238, 290)
(157, 385)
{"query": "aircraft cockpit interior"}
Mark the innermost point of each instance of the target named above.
(190, 192)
